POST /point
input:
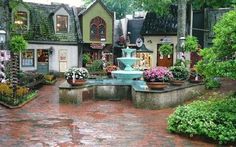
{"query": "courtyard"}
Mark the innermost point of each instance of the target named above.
(46, 122)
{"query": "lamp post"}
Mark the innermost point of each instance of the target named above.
(103, 40)
(182, 45)
(2, 38)
(2, 55)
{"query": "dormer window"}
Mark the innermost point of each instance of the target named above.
(61, 23)
(97, 29)
(21, 20)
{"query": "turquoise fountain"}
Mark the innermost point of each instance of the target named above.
(128, 59)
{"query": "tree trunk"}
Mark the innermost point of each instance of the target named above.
(181, 27)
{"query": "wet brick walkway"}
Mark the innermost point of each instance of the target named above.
(45, 122)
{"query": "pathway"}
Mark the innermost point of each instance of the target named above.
(45, 122)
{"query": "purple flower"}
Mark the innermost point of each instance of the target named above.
(157, 74)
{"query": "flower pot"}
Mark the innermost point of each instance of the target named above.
(177, 82)
(195, 81)
(77, 82)
(156, 85)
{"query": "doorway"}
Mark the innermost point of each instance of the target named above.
(42, 61)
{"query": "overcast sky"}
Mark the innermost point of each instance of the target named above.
(70, 2)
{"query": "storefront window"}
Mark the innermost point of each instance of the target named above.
(27, 58)
(62, 24)
(145, 60)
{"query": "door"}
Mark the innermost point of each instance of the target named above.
(42, 61)
(62, 60)
(165, 61)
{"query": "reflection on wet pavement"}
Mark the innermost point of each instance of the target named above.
(45, 122)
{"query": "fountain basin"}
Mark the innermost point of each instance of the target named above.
(128, 62)
(129, 75)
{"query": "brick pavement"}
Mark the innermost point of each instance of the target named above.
(45, 122)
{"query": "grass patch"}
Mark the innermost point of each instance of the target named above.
(214, 118)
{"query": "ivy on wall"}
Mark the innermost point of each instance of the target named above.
(41, 27)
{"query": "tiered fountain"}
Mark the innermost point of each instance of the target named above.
(128, 59)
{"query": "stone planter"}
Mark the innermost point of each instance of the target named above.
(156, 85)
(76, 82)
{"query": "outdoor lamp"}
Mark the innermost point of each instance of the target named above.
(103, 40)
(2, 38)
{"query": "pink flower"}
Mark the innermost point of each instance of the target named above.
(158, 74)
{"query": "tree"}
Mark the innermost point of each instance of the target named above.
(219, 60)
(8, 6)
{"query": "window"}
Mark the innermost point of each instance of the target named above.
(97, 29)
(21, 20)
(27, 58)
(61, 24)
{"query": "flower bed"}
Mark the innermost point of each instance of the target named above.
(23, 95)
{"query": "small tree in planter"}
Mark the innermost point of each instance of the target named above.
(17, 45)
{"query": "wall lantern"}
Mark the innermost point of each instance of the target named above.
(103, 40)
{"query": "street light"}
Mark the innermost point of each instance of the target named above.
(2, 38)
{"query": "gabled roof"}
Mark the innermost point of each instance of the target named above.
(61, 6)
(160, 25)
(134, 27)
(90, 6)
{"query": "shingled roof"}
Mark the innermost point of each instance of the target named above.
(134, 27)
(41, 18)
(160, 25)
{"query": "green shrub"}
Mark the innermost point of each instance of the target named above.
(214, 119)
(179, 72)
(86, 59)
(191, 44)
(96, 66)
(18, 44)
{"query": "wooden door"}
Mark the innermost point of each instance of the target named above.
(165, 61)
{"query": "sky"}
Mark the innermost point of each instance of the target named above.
(70, 2)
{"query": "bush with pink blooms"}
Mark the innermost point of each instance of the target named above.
(157, 74)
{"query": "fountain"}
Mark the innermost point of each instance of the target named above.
(128, 60)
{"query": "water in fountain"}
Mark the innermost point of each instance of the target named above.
(128, 60)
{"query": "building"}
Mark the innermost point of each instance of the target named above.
(97, 24)
(53, 42)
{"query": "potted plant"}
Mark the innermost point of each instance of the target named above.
(157, 77)
(109, 69)
(180, 74)
(195, 77)
(166, 49)
(76, 76)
